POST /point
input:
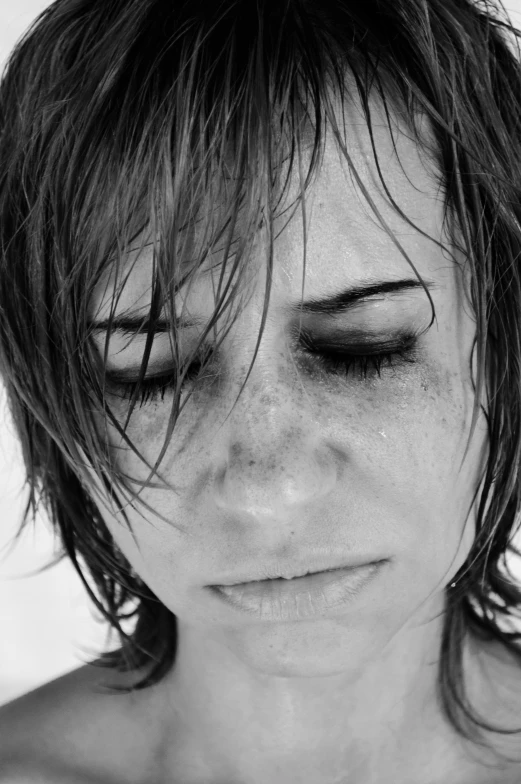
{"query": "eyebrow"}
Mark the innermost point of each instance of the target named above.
(332, 305)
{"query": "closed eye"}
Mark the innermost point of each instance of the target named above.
(360, 363)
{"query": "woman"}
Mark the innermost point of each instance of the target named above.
(260, 289)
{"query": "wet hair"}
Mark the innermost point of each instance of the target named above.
(130, 123)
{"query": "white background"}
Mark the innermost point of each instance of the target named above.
(48, 624)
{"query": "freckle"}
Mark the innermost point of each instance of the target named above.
(236, 451)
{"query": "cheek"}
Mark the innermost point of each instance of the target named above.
(415, 446)
(426, 416)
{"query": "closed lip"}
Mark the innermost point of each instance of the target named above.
(277, 572)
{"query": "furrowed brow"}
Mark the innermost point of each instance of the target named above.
(334, 304)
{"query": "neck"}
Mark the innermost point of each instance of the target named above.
(238, 718)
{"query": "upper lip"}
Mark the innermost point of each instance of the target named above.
(289, 572)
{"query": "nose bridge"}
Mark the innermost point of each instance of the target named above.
(274, 461)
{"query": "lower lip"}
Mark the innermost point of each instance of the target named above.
(301, 597)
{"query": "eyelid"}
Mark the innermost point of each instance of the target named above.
(360, 343)
(322, 347)
(337, 363)
(353, 342)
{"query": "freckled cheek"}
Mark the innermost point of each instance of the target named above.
(146, 430)
(149, 425)
(420, 422)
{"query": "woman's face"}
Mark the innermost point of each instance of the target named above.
(360, 469)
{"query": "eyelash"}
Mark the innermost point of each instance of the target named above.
(405, 353)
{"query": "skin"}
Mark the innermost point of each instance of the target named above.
(312, 460)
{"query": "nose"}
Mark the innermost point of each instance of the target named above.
(276, 461)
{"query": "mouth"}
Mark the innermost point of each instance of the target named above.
(279, 578)
(270, 574)
(299, 598)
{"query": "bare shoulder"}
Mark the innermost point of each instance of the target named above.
(72, 731)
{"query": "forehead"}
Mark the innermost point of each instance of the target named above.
(345, 240)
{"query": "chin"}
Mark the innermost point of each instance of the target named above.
(311, 649)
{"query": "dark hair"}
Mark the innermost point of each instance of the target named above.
(135, 118)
